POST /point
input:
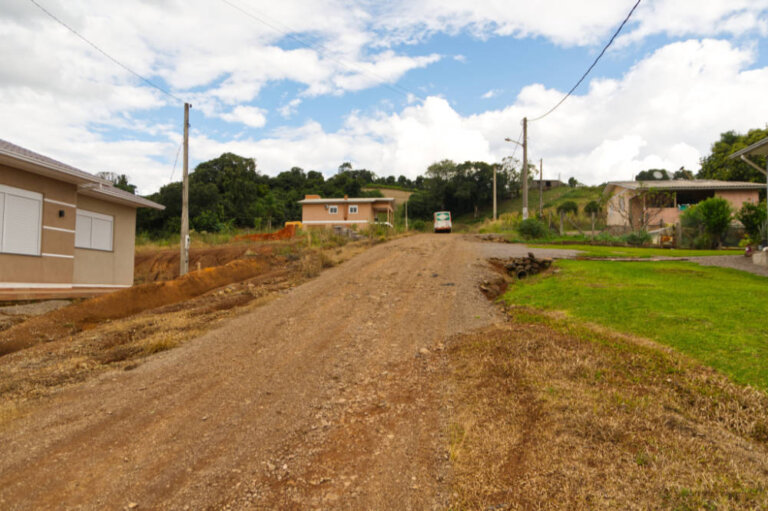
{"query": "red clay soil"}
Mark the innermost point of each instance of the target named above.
(125, 303)
(157, 265)
(286, 233)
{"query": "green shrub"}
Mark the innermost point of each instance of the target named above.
(418, 225)
(637, 238)
(532, 229)
(605, 237)
(711, 216)
(753, 216)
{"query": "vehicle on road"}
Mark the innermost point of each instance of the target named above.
(443, 221)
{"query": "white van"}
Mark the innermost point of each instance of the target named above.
(442, 221)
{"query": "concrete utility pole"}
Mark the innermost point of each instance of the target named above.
(541, 187)
(525, 168)
(494, 192)
(184, 254)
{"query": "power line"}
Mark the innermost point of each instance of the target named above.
(110, 57)
(590, 67)
(173, 171)
(324, 51)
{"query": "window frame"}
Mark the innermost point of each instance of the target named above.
(333, 210)
(353, 209)
(6, 190)
(94, 215)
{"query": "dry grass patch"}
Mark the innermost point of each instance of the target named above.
(550, 414)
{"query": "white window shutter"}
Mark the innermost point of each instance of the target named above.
(22, 224)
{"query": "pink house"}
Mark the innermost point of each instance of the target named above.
(637, 204)
(348, 212)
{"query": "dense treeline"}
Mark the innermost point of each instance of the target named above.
(228, 191)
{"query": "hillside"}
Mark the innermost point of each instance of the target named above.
(551, 199)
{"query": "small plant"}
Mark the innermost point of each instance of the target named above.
(637, 238)
(532, 229)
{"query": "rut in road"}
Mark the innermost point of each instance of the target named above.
(321, 398)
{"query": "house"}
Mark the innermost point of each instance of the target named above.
(546, 184)
(62, 228)
(643, 204)
(316, 211)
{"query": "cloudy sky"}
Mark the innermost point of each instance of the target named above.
(388, 85)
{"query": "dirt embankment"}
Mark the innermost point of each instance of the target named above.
(123, 303)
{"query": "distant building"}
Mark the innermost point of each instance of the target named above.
(348, 212)
(546, 184)
(62, 228)
(634, 204)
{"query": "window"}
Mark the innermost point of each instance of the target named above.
(93, 230)
(21, 216)
(333, 210)
(353, 210)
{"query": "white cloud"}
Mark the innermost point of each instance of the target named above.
(491, 94)
(614, 130)
(290, 108)
(248, 115)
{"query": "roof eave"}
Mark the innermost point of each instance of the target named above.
(60, 174)
(759, 148)
(117, 196)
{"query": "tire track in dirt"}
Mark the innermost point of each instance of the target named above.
(245, 415)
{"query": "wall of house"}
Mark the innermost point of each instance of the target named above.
(55, 264)
(738, 197)
(616, 215)
(115, 267)
(312, 213)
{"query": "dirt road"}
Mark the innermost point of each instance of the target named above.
(323, 398)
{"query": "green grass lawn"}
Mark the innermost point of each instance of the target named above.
(606, 251)
(715, 315)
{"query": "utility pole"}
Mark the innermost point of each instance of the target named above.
(525, 168)
(541, 187)
(184, 254)
(494, 191)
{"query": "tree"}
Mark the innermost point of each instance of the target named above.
(718, 166)
(592, 208)
(683, 174)
(652, 175)
(572, 182)
(568, 207)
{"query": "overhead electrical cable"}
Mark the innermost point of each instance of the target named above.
(110, 57)
(590, 67)
(322, 50)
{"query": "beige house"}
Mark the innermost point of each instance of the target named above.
(316, 211)
(62, 228)
(644, 204)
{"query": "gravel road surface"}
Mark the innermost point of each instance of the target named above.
(327, 397)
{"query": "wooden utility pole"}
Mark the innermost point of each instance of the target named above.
(541, 187)
(525, 168)
(494, 191)
(184, 254)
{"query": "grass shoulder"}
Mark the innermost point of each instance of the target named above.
(635, 252)
(715, 315)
